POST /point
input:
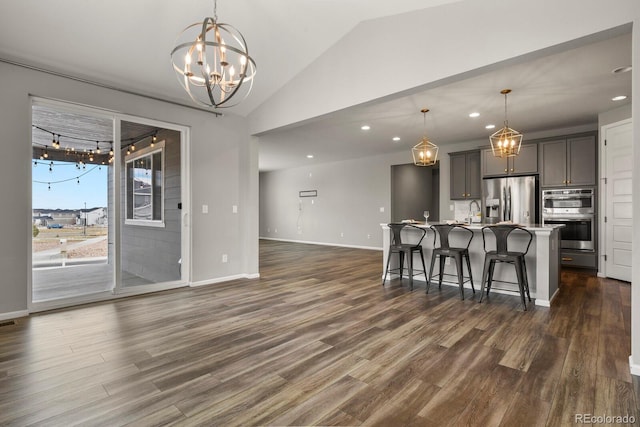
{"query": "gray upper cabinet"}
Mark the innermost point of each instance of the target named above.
(465, 175)
(525, 163)
(569, 161)
(581, 161)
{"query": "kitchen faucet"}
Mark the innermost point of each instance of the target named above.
(471, 213)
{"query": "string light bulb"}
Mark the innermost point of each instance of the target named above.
(98, 147)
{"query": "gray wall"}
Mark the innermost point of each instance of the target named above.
(350, 195)
(153, 252)
(413, 191)
(222, 170)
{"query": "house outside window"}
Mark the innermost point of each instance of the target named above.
(145, 186)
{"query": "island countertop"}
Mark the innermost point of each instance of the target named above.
(543, 258)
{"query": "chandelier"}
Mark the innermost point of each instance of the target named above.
(506, 142)
(212, 63)
(425, 152)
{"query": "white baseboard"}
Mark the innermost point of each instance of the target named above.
(372, 248)
(635, 368)
(13, 315)
(225, 279)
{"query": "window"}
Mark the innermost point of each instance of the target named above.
(145, 186)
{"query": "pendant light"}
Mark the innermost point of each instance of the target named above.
(425, 152)
(506, 142)
(212, 63)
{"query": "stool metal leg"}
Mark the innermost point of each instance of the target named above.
(424, 268)
(526, 278)
(492, 267)
(386, 270)
(485, 274)
(442, 260)
(518, 265)
(410, 255)
(458, 260)
(470, 274)
(433, 262)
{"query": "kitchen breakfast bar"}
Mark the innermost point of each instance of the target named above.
(542, 259)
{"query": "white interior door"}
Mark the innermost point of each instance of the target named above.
(619, 212)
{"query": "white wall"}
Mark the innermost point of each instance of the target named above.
(223, 173)
(434, 46)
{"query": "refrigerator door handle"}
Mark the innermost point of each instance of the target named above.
(503, 214)
(509, 218)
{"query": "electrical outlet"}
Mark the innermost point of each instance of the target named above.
(234, 209)
(225, 258)
(451, 207)
(368, 236)
(341, 234)
(381, 209)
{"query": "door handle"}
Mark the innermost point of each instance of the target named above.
(566, 258)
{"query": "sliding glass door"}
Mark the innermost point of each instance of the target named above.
(107, 200)
(151, 205)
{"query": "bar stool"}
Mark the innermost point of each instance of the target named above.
(401, 249)
(457, 253)
(502, 254)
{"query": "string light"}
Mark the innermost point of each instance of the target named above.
(98, 147)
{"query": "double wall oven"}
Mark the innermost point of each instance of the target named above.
(575, 209)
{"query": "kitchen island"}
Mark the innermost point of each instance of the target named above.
(543, 259)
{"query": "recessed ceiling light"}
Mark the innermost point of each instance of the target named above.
(474, 114)
(396, 138)
(619, 98)
(619, 70)
(365, 127)
(490, 126)
(309, 156)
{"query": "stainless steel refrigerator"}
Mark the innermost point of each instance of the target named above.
(513, 199)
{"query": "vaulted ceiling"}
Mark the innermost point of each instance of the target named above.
(126, 45)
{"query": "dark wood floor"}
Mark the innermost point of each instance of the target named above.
(318, 341)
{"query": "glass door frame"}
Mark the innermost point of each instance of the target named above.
(117, 290)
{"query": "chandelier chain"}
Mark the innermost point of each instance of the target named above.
(506, 121)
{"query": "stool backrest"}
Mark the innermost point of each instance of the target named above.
(502, 232)
(443, 230)
(396, 231)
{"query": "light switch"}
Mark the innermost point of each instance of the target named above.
(381, 209)
(205, 209)
(235, 209)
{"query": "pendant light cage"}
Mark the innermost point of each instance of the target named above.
(506, 142)
(425, 152)
(212, 63)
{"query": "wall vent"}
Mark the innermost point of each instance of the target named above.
(8, 323)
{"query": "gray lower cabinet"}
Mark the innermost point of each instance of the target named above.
(569, 161)
(579, 259)
(465, 175)
(525, 163)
